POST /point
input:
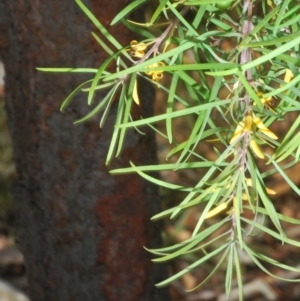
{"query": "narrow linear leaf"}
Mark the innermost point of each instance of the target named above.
(100, 27)
(158, 11)
(249, 89)
(124, 12)
(280, 15)
(157, 181)
(102, 103)
(172, 166)
(114, 139)
(183, 112)
(170, 105)
(192, 266)
(66, 70)
(71, 95)
(222, 259)
(287, 179)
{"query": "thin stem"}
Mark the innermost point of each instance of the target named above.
(245, 58)
(161, 38)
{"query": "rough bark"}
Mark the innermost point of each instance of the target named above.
(81, 230)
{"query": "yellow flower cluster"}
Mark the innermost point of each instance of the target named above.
(267, 102)
(158, 74)
(137, 49)
(252, 122)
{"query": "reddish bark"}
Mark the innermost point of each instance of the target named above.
(82, 231)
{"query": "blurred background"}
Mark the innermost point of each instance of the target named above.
(12, 268)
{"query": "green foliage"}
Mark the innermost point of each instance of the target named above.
(255, 85)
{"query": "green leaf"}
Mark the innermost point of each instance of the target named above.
(252, 254)
(199, 15)
(128, 102)
(100, 87)
(273, 42)
(102, 103)
(99, 75)
(210, 203)
(286, 86)
(287, 179)
(287, 46)
(249, 89)
(283, 57)
(66, 70)
(102, 44)
(129, 8)
(182, 145)
(192, 266)
(144, 66)
(201, 2)
(196, 133)
(192, 67)
(138, 30)
(100, 27)
(220, 24)
(191, 243)
(170, 105)
(161, 167)
(282, 217)
(70, 96)
(220, 262)
(193, 110)
(157, 181)
(276, 263)
(238, 208)
(292, 11)
(291, 146)
(268, 204)
(274, 53)
(262, 23)
(158, 11)
(290, 22)
(114, 139)
(238, 273)
(228, 277)
(181, 19)
(203, 180)
(226, 173)
(283, 146)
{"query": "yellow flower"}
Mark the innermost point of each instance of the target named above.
(238, 131)
(135, 94)
(267, 102)
(158, 74)
(256, 149)
(258, 122)
(216, 210)
(288, 75)
(137, 49)
(243, 126)
(248, 123)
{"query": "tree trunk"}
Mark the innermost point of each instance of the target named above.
(81, 230)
